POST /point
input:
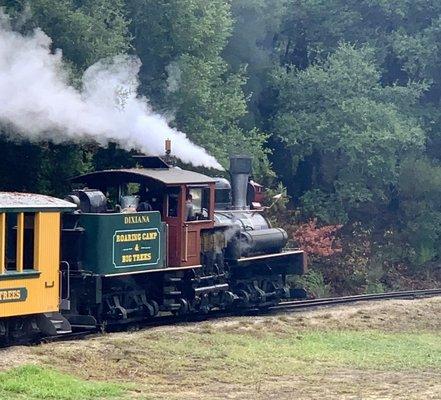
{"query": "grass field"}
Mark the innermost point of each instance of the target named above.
(34, 382)
(377, 351)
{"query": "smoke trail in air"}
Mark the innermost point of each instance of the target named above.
(39, 104)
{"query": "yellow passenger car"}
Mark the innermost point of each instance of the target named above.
(30, 264)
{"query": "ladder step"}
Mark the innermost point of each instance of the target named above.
(172, 279)
(175, 293)
(53, 324)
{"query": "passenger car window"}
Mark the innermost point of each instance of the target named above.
(29, 241)
(20, 241)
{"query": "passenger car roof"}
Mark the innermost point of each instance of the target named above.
(29, 202)
(167, 176)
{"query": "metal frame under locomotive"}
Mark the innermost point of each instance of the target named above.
(200, 266)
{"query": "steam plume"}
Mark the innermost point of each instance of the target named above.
(38, 103)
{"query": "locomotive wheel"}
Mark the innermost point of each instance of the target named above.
(154, 306)
(185, 307)
(228, 298)
(244, 296)
(204, 306)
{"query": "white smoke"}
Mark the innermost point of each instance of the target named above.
(38, 103)
(174, 77)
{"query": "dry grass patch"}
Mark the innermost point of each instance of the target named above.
(376, 350)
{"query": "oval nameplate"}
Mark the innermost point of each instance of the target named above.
(13, 295)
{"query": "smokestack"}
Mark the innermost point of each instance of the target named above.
(240, 170)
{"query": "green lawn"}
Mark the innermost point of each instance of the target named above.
(33, 382)
(218, 353)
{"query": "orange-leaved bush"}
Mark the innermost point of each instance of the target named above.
(318, 241)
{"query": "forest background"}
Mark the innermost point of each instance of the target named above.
(338, 101)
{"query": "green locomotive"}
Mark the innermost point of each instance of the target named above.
(157, 239)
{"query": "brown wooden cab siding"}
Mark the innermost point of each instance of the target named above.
(185, 236)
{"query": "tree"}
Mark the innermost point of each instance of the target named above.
(256, 26)
(180, 43)
(419, 213)
(337, 115)
(85, 31)
(403, 33)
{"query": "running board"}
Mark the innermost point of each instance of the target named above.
(82, 321)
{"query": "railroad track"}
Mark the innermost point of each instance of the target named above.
(409, 294)
(284, 306)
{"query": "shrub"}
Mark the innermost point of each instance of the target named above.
(317, 241)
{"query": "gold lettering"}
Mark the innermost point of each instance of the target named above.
(130, 237)
(142, 257)
(128, 258)
(136, 219)
(13, 294)
(149, 236)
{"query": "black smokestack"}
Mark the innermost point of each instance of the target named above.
(240, 170)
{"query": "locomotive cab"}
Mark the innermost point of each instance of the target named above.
(184, 200)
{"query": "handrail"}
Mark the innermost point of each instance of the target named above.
(186, 243)
(2, 243)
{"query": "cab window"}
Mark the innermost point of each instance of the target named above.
(132, 189)
(173, 202)
(197, 203)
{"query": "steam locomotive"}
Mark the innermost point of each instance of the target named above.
(139, 243)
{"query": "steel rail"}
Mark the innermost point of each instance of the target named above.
(408, 294)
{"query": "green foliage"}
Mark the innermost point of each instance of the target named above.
(86, 30)
(420, 208)
(256, 22)
(374, 276)
(208, 103)
(180, 44)
(327, 207)
(277, 206)
(338, 112)
(313, 282)
(34, 383)
(166, 31)
(355, 126)
(42, 168)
